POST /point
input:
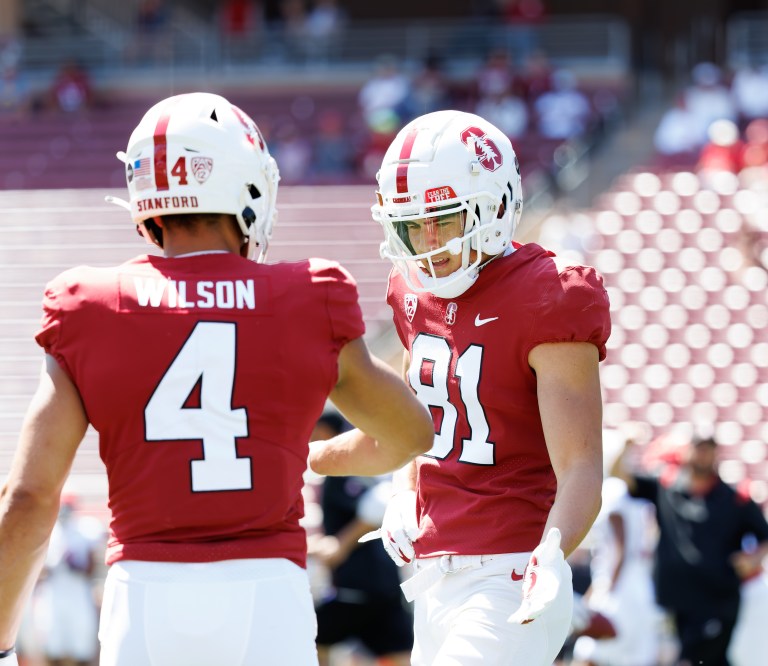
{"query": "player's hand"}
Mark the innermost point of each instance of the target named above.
(399, 527)
(542, 580)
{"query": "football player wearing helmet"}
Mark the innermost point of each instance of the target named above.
(502, 346)
(203, 420)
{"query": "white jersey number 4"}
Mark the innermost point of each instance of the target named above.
(431, 355)
(208, 358)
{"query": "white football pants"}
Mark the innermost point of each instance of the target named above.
(461, 619)
(255, 612)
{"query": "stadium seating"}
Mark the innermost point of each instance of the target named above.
(684, 261)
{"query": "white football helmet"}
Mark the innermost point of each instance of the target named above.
(451, 161)
(198, 153)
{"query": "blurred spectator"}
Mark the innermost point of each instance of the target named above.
(364, 601)
(563, 112)
(536, 77)
(151, 44)
(708, 99)
(623, 540)
(71, 90)
(699, 562)
(677, 139)
(520, 19)
(324, 26)
(294, 28)
(724, 151)
(293, 151)
(756, 144)
(67, 608)
(505, 110)
(152, 16)
(238, 18)
(429, 88)
(386, 93)
(15, 98)
(333, 153)
(749, 88)
(382, 128)
(496, 76)
(749, 644)
(10, 52)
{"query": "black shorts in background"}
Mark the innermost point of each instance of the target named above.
(382, 626)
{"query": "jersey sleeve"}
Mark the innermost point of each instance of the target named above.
(342, 301)
(574, 308)
(392, 300)
(49, 337)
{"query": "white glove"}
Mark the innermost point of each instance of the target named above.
(399, 527)
(543, 577)
(9, 659)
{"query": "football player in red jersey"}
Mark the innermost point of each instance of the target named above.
(502, 345)
(203, 373)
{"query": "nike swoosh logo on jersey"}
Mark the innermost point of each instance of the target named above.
(516, 576)
(481, 322)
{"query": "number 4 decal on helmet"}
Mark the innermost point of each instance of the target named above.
(435, 352)
(180, 170)
(208, 358)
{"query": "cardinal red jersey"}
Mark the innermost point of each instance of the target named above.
(203, 376)
(487, 484)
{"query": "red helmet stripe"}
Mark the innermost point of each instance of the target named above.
(161, 151)
(405, 153)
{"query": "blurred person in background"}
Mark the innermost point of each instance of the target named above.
(564, 111)
(496, 75)
(755, 154)
(520, 19)
(66, 606)
(749, 88)
(699, 562)
(72, 89)
(621, 589)
(387, 92)
(364, 601)
(333, 148)
(15, 94)
(677, 138)
(708, 98)
(505, 110)
(724, 151)
(429, 88)
(325, 24)
(749, 643)
(204, 371)
(502, 345)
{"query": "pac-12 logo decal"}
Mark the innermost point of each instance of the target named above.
(410, 306)
(201, 168)
(485, 148)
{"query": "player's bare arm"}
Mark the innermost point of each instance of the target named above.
(392, 426)
(53, 428)
(571, 414)
(405, 477)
